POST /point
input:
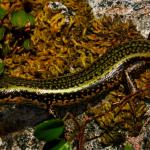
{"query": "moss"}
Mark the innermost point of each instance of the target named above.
(65, 40)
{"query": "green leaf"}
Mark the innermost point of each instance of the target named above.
(5, 50)
(128, 147)
(63, 145)
(1, 46)
(1, 67)
(31, 19)
(2, 32)
(49, 130)
(27, 44)
(3, 12)
(57, 145)
(20, 18)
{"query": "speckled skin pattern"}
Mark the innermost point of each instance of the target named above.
(102, 76)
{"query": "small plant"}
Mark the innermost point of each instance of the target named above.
(2, 32)
(1, 67)
(3, 12)
(20, 18)
(51, 131)
(128, 147)
(27, 44)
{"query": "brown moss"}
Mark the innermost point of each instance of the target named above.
(120, 114)
(67, 43)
